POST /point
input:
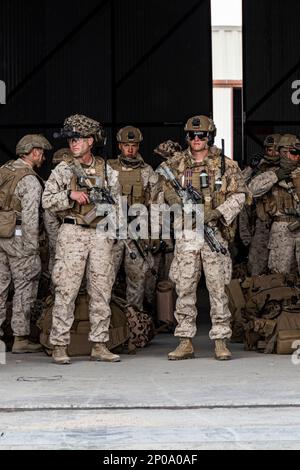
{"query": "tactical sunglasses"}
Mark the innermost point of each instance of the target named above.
(200, 134)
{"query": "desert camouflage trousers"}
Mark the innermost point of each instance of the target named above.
(284, 246)
(259, 252)
(81, 251)
(189, 260)
(135, 269)
(24, 271)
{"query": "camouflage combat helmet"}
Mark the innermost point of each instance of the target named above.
(60, 154)
(129, 135)
(202, 124)
(78, 125)
(288, 140)
(167, 149)
(272, 140)
(30, 142)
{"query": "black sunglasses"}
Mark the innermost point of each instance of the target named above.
(200, 134)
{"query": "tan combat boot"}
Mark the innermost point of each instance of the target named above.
(60, 355)
(101, 353)
(23, 345)
(222, 353)
(184, 350)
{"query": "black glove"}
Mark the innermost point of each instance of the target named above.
(283, 173)
(255, 160)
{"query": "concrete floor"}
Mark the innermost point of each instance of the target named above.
(147, 402)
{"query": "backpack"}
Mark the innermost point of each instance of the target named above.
(80, 345)
(128, 327)
(271, 306)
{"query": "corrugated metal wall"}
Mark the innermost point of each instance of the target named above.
(271, 65)
(144, 62)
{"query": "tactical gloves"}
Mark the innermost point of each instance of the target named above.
(212, 215)
(255, 160)
(283, 173)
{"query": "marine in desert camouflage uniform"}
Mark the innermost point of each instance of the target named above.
(280, 189)
(254, 222)
(80, 248)
(224, 198)
(20, 197)
(136, 179)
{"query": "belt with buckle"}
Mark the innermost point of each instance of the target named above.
(74, 222)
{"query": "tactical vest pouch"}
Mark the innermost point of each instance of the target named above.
(85, 214)
(219, 197)
(134, 193)
(8, 221)
(126, 189)
(137, 194)
(90, 216)
(283, 199)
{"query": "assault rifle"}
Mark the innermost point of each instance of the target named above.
(99, 194)
(190, 195)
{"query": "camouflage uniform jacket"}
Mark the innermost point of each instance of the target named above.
(55, 197)
(249, 215)
(276, 193)
(250, 173)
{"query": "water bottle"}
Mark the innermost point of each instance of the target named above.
(204, 180)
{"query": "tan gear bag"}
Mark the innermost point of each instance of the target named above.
(288, 328)
(80, 346)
